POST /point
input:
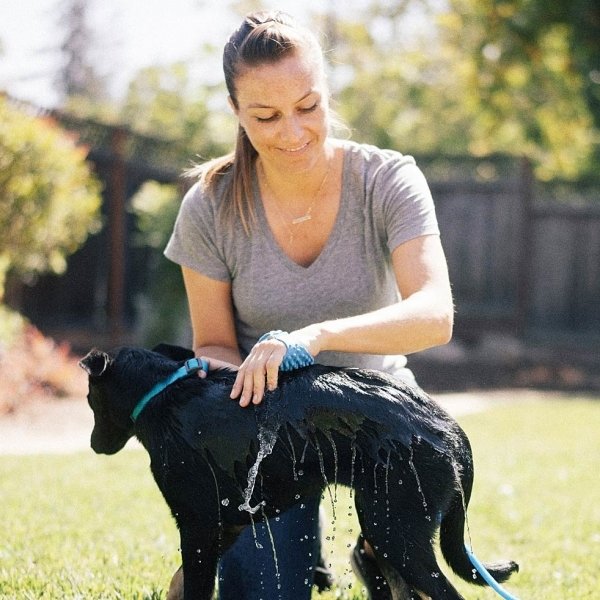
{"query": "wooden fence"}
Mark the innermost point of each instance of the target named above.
(522, 256)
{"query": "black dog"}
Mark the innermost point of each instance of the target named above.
(409, 463)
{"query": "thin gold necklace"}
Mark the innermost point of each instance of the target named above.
(306, 216)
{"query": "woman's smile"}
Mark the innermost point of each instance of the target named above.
(283, 109)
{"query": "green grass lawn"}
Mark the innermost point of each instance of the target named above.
(86, 526)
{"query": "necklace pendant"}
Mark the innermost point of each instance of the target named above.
(299, 220)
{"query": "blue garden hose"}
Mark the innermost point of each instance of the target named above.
(487, 577)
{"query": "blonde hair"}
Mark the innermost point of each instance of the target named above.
(263, 37)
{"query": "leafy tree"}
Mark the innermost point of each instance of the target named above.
(166, 101)
(78, 79)
(49, 200)
(519, 72)
(477, 77)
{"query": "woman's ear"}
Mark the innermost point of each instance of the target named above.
(232, 105)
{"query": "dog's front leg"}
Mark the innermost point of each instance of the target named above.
(199, 553)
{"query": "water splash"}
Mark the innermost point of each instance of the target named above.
(219, 519)
(322, 467)
(266, 439)
(272, 540)
(254, 533)
(461, 491)
(304, 452)
(387, 473)
(335, 463)
(411, 463)
(293, 451)
(352, 463)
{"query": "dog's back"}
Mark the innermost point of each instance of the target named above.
(374, 412)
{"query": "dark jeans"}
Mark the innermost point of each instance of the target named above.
(248, 572)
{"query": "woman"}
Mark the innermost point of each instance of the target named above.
(335, 242)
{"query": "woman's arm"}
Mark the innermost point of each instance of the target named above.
(423, 318)
(211, 313)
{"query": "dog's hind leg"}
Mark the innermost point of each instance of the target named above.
(399, 589)
(176, 586)
(402, 543)
(369, 561)
(418, 567)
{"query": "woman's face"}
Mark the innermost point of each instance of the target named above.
(283, 107)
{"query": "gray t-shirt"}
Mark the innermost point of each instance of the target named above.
(385, 201)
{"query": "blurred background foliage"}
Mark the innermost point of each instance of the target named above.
(49, 198)
(424, 76)
(477, 77)
(427, 77)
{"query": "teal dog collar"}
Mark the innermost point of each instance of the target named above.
(193, 365)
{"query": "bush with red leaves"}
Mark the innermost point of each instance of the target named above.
(35, 367)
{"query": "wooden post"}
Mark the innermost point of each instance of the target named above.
(117, 237)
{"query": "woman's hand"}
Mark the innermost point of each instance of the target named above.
(214, 364)
(260, 369)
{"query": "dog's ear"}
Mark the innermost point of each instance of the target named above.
(95, 363)
(174, 352)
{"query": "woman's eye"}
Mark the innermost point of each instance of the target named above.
(310, 108)
(274, 117)
(266, 119)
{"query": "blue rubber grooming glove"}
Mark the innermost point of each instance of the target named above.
(296, 356)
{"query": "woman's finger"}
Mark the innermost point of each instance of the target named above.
(272, 367)
(260, 369)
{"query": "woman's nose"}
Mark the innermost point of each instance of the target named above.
(291, 129)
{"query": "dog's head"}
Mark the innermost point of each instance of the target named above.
(117, 381)
(112, 426)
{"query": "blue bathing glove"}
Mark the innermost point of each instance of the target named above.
(296, 356)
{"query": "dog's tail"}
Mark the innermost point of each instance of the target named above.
(452, 528)
(452, 531)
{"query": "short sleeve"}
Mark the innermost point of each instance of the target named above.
(195, 242)
(407, 207)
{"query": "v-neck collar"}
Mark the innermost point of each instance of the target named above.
(267, 232)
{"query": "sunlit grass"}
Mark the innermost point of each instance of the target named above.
(85, 526)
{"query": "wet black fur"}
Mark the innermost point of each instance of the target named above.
(401, 453)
